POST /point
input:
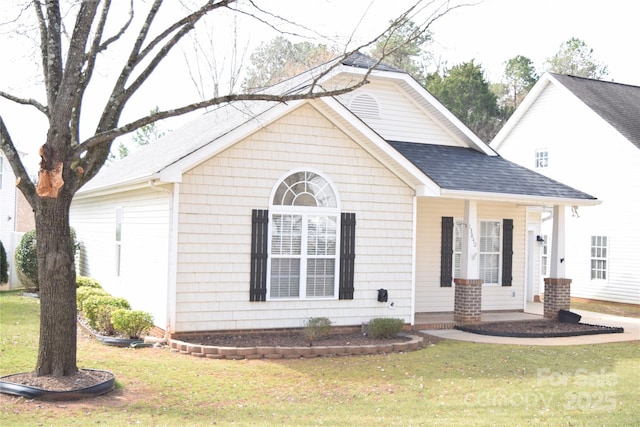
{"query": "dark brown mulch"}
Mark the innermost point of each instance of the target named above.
(78, 381)
(538, 329)
(287, 339)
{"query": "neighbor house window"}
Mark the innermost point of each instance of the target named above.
(118, 239)
(304, 230)
(542, 158)
(489, 251)
(598, 257)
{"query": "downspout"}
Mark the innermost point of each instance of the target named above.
(171, 259)
(414, 246)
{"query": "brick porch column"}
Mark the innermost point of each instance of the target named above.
(557, 294)
(468, 301)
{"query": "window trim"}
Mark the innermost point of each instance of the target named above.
(305, 212)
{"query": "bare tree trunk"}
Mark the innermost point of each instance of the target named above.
(56, 274)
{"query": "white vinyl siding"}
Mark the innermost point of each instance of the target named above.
(399, 118)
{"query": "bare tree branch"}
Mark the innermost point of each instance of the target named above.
(23, 101)
(105, 44)
(51, 48)
(23, 180)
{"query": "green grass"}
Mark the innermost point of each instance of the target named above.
(448, 384)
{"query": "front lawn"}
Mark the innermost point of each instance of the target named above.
(449, 384)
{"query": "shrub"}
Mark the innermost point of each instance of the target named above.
(131, 323)
(27, 261)
(384, 327)
(316, 328)
(26, 257)
(87, 282)
(83, 293)
(97, 309)
(4, 265)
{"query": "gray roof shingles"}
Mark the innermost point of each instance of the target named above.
(618, 104)
(465, 169)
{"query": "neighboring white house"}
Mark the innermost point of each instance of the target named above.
(16, 216)
(261, 215)
(586, 133)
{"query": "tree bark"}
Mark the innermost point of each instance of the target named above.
(56, 274)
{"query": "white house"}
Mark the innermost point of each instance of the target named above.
(261, 215)
(16, 216)
(586, 133)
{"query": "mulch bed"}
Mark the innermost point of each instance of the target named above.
(286, 339)
(538, 329)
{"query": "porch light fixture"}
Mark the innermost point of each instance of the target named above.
(539, 239)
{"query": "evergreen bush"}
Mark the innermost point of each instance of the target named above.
(27, 261)
(97, 310)
(26, 258)
(384, 327)
(131, 323)
(87, 282)
(83, 293)
(4, 265)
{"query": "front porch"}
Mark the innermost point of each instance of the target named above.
(434, 321)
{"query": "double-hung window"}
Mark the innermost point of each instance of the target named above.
(304, 238)
(489, 251)
(598, 257)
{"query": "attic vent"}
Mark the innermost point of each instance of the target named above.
(364, 105)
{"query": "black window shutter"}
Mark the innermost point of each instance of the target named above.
(259, 238)
(347, 254)
(507, 252)
(446, 252)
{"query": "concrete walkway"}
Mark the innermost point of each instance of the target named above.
(631, 331)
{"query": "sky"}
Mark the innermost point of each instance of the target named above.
(489, 32)
(493, 31)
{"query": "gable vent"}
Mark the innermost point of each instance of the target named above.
(364, 106)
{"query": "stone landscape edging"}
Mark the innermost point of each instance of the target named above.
(415, 342)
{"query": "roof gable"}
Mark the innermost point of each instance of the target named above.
(618, 104)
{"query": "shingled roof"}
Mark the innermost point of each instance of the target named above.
(361, 60)
(618, 104)
(466, 169)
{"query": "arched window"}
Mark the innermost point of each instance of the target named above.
(303, 244)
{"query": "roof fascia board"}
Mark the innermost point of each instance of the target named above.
(138, 184)
(365, 133)
(518, 198)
